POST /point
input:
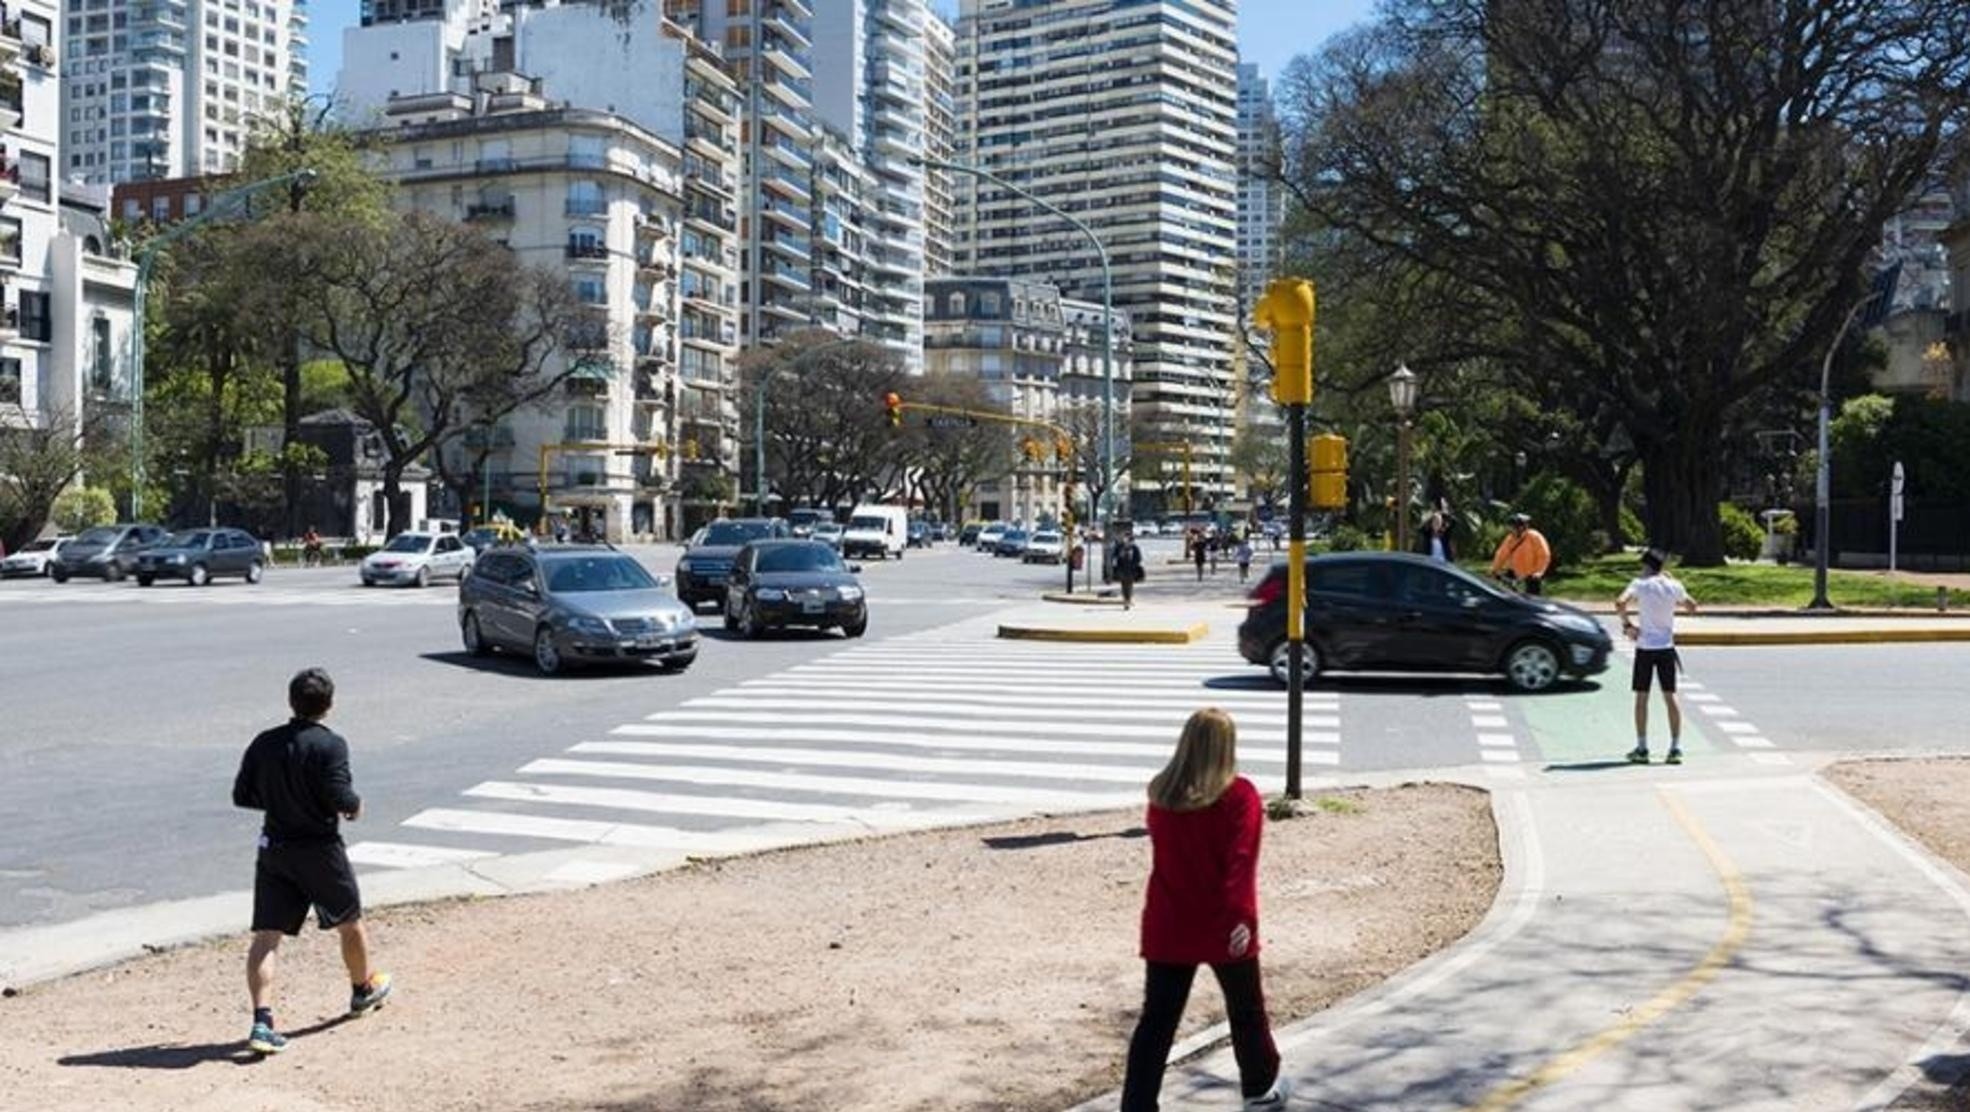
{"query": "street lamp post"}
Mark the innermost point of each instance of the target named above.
(222, 205)
(1823, 479)
(1402, 396)
(1107, 322)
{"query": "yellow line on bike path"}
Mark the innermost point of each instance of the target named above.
(1662, 1003)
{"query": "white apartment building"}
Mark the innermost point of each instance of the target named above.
(66, 295)
(1124, 113)
(173, 88)
(940, 142)
(1261, 199)
(602, 198)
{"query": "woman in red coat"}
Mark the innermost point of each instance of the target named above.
(1202, 908)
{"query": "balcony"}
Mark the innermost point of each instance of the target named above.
(787, 247)
(489, 212)
(584, 207)
(653, 310)
(786, 19)
(655, 266)
(10, 38)
(10, 329)
(10, 99)
(785, 182)
(651, 226)
(651, 388)
(587, 251)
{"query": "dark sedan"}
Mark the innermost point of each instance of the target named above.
(105, 551)
(778, 584)
(198, 556)
(702, 570)
(1392, 612)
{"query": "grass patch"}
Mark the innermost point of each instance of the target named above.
(1780, 587)
(1337, 805)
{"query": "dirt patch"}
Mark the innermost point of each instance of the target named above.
(1929, 799)
(992, 967)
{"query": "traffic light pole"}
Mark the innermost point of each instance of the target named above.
(1296, 469)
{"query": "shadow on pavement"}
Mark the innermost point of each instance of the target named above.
(1373, 683)
(1591, 766)
(1059, 837)
(512, 664)
(718, 633)
(184, 1056)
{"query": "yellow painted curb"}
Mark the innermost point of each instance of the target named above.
(1164, 636)
(1822, 637)
(1084, 599)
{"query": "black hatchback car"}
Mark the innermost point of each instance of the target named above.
(198, 556)
(701, 571)
(779, 584)
(1392, 612)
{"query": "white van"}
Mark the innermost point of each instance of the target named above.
(878, 531)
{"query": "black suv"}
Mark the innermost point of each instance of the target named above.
(706, 562)
(1393, 612)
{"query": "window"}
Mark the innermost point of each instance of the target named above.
(591, 290)
(586, 422)
(585, 198)
(36, 323)
(988, 305)
(587, 152)
(10, 239)
(102, 356)
(36, 176)
(957, 304)
(495, 155)
(1355, 579)
(585, 242)
(10, 381)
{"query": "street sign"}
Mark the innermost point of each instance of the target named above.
(950, 421)
(1899, 481)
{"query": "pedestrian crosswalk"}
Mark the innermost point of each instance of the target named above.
(942, 727)
(225, 594)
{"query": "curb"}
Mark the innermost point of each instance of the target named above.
(1082, 599)
(1165, 636)
(1824, 637)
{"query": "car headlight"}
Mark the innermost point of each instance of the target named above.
(593, 627)
(770, 594)
(177, 557)
(684, 623)
(850, 594)
(684, 567)
(1578, 623)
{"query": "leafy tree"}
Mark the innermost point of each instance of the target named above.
(79, 508)
(437, 326)
(1259, 458)
(37, 463)
(828, 440)
(944, 464)
(1660, 209)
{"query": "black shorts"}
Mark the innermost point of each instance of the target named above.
(288, 879)
(1662, 663)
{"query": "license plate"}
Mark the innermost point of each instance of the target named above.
(811, 606)
(648, 641)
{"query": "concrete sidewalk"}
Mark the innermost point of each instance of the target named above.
(1098, 623)
(1693, 938)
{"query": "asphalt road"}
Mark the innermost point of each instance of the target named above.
(123, 711)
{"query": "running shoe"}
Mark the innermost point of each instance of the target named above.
(265, 1040)
(1638, 756)
(370, 994)
(1274, 1099)
(1675, 756)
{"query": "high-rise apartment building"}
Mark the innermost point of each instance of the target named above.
(940, 105)
(1261, 199)
(173, 88)
(1124, 113)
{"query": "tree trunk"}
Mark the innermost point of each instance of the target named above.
(1683, 482)
(396, 512)
(290, 465)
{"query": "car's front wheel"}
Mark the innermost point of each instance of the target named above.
(145, 580)
(423, 577)
(750, 627)
(255, 572)
(59, 574)
(1532, 666)
(113, 573)
(1280, 662)
(475, 641)
(856, 628)
(198, 576)
(547, 655)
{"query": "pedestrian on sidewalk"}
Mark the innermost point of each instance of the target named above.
(1244, 559)
(1523, 556)
(1197, 553)
(1127, 566)
(1202, 908)
(1436, 535)
(1657, 596)
(298, 774)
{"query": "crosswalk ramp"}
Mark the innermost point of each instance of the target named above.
(925, 730)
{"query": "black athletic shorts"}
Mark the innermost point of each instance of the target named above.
(288, 879)
(1661, 662)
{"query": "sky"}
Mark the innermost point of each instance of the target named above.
(1270, 32)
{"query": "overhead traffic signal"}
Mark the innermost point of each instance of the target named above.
(1287, 309)
(1328, 470)
(893, 402)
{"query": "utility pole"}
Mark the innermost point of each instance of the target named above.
(1287, 309)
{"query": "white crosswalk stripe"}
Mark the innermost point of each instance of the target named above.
(231, 594)
(917, 731)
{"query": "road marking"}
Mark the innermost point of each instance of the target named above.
(1749, 742)
(770, 810)
(954, 721)
(1498, 740)
(998, 693)
(1008, 685)
(1027, 743)
(588, 830)
(1738, 928)
(1035, 706)
(1736, 727)
(1501, 756)
(402, 855)
(1718, 712)
(833, 785)
(890, 762)
(1487, 705)
(1703, 697)
(1490, 721)
(1099, 677)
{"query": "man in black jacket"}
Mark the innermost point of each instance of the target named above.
(298, 773)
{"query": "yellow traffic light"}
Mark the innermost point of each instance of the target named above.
(893, 402)
(1063, 449)
(1288, 309)
(1328, 472)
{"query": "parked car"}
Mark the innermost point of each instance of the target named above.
(572, 604)
(1012, 542)
(920, 535)
(105, 552)
(988, 537)
(198, 556)
(486, 536)
(34, 558)
(778, 584)
(416, 559)
(829, 533)
(968, 535)
(701, 571)
(1045, 547)
(1397, 612)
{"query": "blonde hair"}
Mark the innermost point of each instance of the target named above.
(1204, 765)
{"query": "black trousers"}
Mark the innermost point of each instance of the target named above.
(1167, 990)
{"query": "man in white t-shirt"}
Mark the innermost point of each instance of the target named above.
(1656, 596)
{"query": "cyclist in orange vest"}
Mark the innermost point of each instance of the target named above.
(1523, 555)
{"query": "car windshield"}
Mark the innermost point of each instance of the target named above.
(597, 573)
(806, 517)
(408, 542)
(190, 538)
(803, 557)
(1013, 535)
(876, 523)
(734, 533)
(40, 546)
(827, 527)
(101, 534)
(1046, 538)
